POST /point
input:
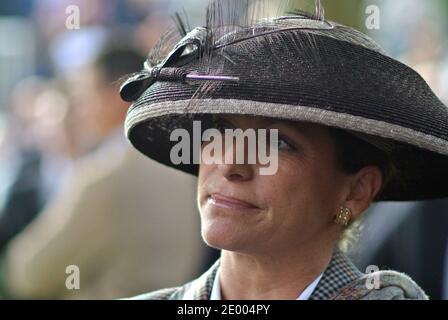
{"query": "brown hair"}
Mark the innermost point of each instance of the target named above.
(352, 154)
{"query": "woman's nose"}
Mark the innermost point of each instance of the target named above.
(234, 170)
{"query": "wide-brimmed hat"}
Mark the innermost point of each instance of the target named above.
(296, 67)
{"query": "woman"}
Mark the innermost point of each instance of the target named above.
(354, 126)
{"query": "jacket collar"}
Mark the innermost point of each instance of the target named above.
(201, 288)
(339, 273)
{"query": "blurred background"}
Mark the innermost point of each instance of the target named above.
(73, 192)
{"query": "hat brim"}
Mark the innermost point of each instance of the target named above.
(316, 78)
(420, 159)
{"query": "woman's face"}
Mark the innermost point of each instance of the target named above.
(246, 212)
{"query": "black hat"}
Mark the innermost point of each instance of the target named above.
(296, 67)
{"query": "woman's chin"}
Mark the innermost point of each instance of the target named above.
(225, 237)
(230, 230)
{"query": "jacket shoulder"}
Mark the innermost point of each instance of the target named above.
(184, 292)
(382, 285)
(162, 294)
(198, 289)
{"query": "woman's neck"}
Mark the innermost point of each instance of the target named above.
(268, 277)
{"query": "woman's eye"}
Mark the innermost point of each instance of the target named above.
(284, 145)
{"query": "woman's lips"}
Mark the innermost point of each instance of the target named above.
(222, 201)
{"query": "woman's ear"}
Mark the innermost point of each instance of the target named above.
(365, 185)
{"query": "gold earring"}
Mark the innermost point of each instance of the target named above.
(343, 216)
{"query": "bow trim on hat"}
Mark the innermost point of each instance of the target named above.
(192, 43)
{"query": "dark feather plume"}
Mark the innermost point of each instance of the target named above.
(230, 24)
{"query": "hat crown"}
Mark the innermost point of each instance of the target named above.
(297, 67)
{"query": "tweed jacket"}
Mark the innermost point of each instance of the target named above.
(341, 280)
